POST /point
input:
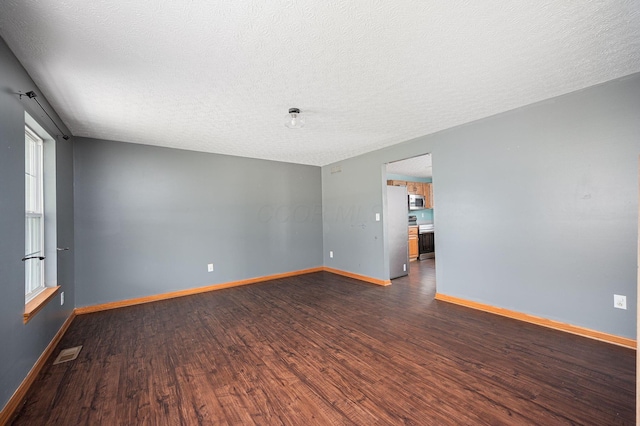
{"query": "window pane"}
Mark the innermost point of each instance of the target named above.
(33, 247)
(33, 175)
(30, 188)
(33, 240)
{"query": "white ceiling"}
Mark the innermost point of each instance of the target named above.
(419, 166)
(220, 76)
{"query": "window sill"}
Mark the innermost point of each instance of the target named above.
(39, 302)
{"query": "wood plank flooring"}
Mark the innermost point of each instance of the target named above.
(322, 349)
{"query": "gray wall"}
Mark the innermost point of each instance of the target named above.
(150, 219)
(535, 209)
(24, 343)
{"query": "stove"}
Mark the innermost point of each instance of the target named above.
(426, 242)
(425, 228)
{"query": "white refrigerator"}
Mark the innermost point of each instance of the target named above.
(398, 230)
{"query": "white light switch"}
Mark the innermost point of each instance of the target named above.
(210, 267)
(377, 217)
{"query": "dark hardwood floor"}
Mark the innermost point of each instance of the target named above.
(324, 349)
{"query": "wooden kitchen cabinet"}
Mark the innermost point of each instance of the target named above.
(417, 188)
(414, 187)
(414, 251)
(427, 191)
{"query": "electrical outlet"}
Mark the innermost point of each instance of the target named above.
(619, 301)
(331, 254)
(210, 267)
(404, 267)
(61, 298)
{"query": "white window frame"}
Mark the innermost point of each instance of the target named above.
(34, 209)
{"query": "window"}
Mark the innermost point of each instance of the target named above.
(40, 229)
(34, 214)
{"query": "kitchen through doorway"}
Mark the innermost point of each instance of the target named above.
(410, 218)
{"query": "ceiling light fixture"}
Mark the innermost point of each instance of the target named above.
(295, 120)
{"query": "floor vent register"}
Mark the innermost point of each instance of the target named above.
(67, 355)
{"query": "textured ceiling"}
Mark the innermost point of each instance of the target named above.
(419, 166)
(220, 76)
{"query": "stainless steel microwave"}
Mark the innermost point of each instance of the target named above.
(416, 202)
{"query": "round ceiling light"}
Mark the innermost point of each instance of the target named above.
(294, 120)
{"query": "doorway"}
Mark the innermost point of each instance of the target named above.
(415, 175)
